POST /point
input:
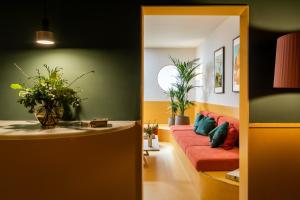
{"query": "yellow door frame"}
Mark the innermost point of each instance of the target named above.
(232, 10)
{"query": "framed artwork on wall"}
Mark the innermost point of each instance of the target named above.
(236, 64)
(219, 57)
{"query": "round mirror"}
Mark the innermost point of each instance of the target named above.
(167, 77)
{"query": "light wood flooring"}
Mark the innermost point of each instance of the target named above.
(165, 178)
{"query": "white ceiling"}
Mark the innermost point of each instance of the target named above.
(178, 31)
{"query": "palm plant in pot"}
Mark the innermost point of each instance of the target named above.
(186, 74)
(47, 95)
(173, 107)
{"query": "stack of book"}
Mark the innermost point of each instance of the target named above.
(95, 123)
(234, 175)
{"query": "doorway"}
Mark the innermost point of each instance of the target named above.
(243, 13)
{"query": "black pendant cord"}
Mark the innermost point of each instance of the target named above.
(45, 20)
(45, 4)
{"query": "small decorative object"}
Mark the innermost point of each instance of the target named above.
(150, 131)
(186, 74)
(96, 123)
(48, 95)
(173, 107)
(219, 70)
(236, 64)
(233, 175)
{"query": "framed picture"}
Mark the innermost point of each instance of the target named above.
(219, 57)
(236, 64)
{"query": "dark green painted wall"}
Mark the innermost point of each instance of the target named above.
(112, 91)
(89, 36)
(269, 20)
(106, 37)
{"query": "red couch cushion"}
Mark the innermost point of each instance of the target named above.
(177, 134)
(181, 127)
(204, 112)
(192, 140)
(205, 158)
(230, 120)
(231, 138)
(214, 116)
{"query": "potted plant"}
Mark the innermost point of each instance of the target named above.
(186, 73)
(48, 94)
(173, 107)
(150, 130)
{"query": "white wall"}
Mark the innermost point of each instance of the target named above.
(154, 60)
(221, 36)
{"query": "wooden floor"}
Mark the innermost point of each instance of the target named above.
(165, 177)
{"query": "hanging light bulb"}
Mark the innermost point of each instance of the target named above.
(45, 36)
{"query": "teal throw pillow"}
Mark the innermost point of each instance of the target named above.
(197, 119)
(217, 136)
(205, 125)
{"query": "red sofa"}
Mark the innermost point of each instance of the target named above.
(198, 150)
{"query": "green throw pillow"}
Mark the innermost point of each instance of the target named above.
(205, 125)
(217, 136)
(197, 119)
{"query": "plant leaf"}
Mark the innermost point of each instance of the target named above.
(16, 86)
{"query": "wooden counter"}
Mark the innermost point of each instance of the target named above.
(70, 162)
(27, 130)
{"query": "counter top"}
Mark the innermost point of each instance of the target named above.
(28, 130)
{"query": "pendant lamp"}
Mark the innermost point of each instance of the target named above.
(287, 64)
(45, 36)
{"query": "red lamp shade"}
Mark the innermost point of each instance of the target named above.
(287, 66)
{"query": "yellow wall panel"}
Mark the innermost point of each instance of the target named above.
(274, 162)
(158, 111)
(92, 167)
(220, 109)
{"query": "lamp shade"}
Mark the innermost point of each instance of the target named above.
(287, 64)
(44, 37)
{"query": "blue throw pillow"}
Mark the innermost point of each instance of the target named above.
(217, 135)
(205, 125)
(197, 119)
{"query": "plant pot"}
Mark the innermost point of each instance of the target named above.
(49, 119)
(150, 141)
(182, 120)
(171, 121)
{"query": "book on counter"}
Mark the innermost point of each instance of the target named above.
(233, 175)
(95, 123)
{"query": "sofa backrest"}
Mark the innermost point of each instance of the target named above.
(232, 122)
(221, 119)
(214, 116)
(204, 112)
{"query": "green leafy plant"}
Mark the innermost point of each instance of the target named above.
(173, 107)
(186, 73)
(49, 91)
(150, 129)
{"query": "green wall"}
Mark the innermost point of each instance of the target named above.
(107, 35)
(112, 91)
(269, 20)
